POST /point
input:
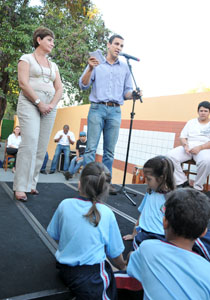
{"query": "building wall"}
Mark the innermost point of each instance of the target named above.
(156, 126)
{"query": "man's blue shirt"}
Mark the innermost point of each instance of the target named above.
(110, 82)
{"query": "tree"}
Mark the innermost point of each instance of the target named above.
(18, 21)
(199, 89)
(78, 28)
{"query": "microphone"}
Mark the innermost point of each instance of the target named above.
(129, 56)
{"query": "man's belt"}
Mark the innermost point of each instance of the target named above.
(109, 103)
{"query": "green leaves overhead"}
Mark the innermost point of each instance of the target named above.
(78, 29)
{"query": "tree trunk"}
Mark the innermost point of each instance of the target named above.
(3, 105)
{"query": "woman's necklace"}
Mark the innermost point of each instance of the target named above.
(45, 77)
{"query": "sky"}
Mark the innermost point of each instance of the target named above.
(170, 37)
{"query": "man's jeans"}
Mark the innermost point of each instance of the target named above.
(43, 168)
(75, 165)
(66, 151)
(106, 119)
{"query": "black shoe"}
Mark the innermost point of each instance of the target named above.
(51, 172)
(67, 175)
(112, 190)
(43, 172)
(183, 185)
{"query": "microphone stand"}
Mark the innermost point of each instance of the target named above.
(135, 96)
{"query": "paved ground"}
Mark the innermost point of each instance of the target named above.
(53, 178)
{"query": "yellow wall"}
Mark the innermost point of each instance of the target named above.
(71, 116)
(165, 108)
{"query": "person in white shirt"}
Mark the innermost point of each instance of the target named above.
(41, 90)
(64, 138)
(195, 143)
(13, 143)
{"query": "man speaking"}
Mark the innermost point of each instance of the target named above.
(111, 84)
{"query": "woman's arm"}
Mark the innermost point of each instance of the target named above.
(23, 79)
(28, 92)
(58, 90)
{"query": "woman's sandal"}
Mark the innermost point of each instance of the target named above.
(22, 197)
(34, 192)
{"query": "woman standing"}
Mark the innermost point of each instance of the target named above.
(41, 89)
(13, 144)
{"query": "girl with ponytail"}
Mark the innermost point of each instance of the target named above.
(87, 232)
(158, 173)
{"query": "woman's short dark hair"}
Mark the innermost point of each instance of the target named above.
(161, 167)
(94, 184)
(187, 212)
(41, 32)
(205, 104)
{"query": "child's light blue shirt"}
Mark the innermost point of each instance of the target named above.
(79, 241)
(152, 212)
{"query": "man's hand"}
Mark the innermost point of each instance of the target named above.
(70, 140)
(196, 150)
(186, 148)
(93, 62)
(136, 94)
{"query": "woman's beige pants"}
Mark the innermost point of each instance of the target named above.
(35, 134)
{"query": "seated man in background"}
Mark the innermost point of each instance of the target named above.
(44, 165)
(195, 141)
(171, 270)
(77, 161)
(64, 138)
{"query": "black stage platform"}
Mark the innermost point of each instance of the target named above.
(27, 252)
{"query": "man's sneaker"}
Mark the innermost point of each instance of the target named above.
(51, 172)
(183, 185)
(67, 175)
(43, 172)
(112, 190)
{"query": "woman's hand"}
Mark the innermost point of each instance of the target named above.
(45, 108)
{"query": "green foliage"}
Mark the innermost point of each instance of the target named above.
(18, 22)
(78, 30)
(10, 111)
(199, 90)
(76, 35)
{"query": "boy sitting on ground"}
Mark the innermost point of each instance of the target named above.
(170, 270)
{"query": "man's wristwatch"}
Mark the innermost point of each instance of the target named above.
(37, 101)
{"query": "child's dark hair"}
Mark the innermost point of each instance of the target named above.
(205, 104)
(161, 167)
(187, 212)
(94, 184)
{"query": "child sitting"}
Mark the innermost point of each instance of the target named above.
(87, 232)
(158, 173)
(170, 270)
